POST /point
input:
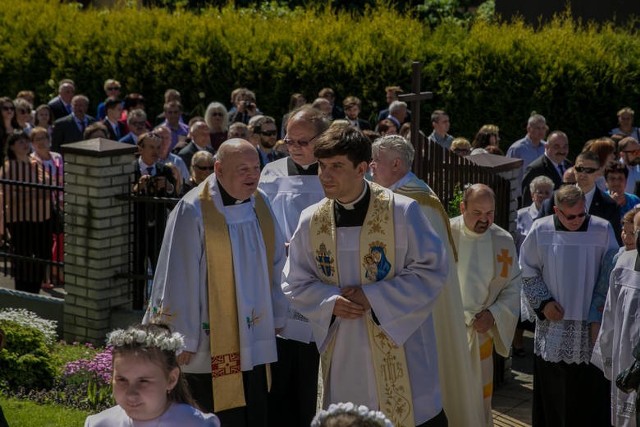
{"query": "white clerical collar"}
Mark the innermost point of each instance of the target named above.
(408, 177)
(306, 167)
(351, 206)
(472, 234)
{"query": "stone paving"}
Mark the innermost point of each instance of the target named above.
(512, 400)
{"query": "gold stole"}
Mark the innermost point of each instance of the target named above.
(224, 336)
(377, 254)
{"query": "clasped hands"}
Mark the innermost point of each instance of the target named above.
(352, 303)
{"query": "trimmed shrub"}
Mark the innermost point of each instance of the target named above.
(577, 76)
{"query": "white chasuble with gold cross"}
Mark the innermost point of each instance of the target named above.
(401, 279)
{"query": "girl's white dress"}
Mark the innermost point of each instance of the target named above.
(178, 414)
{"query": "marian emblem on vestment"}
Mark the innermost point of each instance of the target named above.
(375, 263)
(325, 260)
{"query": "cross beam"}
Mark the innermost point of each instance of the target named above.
(414, 99)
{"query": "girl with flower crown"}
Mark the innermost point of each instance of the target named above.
(148, 385)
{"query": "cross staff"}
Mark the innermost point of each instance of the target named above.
(414, 99)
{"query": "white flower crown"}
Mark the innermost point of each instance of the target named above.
(361, 411)
(121, 337)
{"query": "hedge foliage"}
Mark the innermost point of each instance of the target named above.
(577, 76)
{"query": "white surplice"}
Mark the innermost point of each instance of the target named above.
(289, 196)
(178, 414)
(461, 390)
(179, 294)
(619, 334)
(402, 305)
(564, 265)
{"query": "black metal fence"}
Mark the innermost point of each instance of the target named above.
(146, 229)
(32, 225)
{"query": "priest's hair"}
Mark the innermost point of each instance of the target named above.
(398, 145)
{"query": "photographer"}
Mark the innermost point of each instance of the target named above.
(246, 108)
(151, 177)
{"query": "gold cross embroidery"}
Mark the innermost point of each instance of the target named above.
(506, 261)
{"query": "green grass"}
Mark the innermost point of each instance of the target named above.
(24, 413)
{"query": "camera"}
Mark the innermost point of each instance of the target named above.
(248, 104)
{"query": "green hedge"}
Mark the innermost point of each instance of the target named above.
(578, 77)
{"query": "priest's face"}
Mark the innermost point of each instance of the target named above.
(384, 167)
(239, 170)
(478, 212)
(300, 141)
(571, 217)
(340, 179)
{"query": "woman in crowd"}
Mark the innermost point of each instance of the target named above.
(44, 118)
(201, 167)
(217, 119)
(53, 166)
(23, 114)
(605, 148)
(486, 136)
(26, 214)
(8, 124)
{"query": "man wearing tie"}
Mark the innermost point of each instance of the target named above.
(116, 129)
(71, 128)
(552, 164)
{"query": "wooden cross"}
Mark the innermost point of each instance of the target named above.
(506, 261)
(413, 99)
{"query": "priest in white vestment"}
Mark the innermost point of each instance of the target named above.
(461, 391)
(490, 284)
(560, 261)
(292, 184)
(620, 332)
(366, 268)
(222, 246)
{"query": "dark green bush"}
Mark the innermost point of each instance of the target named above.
(26, 360)
(485, 72)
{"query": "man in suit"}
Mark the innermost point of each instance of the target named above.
(61, 104)
(113, 109)
(352, 109)
(597, 203)
(552, 164)
(71, 127)
(137, 121)
(200, 140)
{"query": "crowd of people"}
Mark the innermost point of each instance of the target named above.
(311, 250)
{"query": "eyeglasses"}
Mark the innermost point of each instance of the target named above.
(581, 169)
(568, 183)
(292, 142)
(23, 111)
(172, 112)
(137, 124)
(572, 217)
(217, 114)
(8, 108)
(204, 168)
(636, 151)
(113, 88)
(269, 133)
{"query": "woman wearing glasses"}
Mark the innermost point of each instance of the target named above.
(8, 124)
(218, 121)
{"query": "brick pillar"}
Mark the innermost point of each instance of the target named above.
(96, 235)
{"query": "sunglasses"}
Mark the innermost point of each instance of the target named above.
(216, 114)
(22, 111)
(8, 108)
(636, 151)
(113, 88)
(269, 133)
(137, 124)
(204, 168)
(572, 217)
(291, 142)
(581, 169)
